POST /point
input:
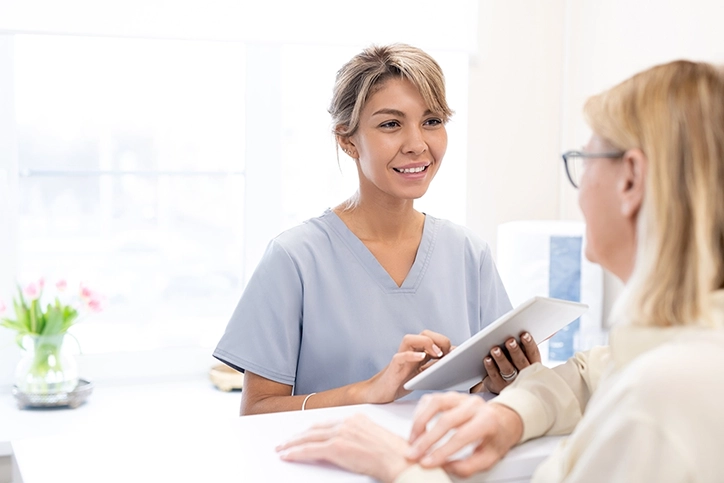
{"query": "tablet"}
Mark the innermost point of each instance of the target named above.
(540, 316)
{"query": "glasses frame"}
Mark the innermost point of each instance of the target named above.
(580, 154)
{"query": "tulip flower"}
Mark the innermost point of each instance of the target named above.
(95, 305)
(86, 293)
(31, 291)
(36, 317)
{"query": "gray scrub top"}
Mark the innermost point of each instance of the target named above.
(320, 312)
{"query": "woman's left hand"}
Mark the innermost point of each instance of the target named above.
(355, 444)
(502, 369)
(492, 429)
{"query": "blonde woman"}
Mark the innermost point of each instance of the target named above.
(649, 407)
(347, 307)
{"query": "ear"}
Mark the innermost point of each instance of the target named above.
(347, 145)
(632, 182)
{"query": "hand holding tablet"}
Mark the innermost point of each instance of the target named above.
(540, 316)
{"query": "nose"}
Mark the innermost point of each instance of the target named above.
(415, 142)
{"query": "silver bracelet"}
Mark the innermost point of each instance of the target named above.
(305, 400)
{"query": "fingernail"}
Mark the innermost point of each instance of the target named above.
(526, 337)
(412, 454)
(496, 352)
(488, 360)
(513, 344)
(421, 355)
(436, 350)
(426, 461)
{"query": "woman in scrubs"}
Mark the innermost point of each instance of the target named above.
(347, 307)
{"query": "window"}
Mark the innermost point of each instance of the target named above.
(131, 178)
(157, 169)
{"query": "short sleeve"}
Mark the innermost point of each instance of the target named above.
(264, 333)
(494, 300)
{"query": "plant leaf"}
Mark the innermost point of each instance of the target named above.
(19, 339)
(22, 299)
(12, 324)
(22, 316)
(54, 321)
(69, 316)
(33, 318)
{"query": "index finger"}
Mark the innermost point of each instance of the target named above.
(420, 343)
(440, 340)
(455, 419)
(428, 407)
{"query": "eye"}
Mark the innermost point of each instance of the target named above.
(390, 124)
(433, 122)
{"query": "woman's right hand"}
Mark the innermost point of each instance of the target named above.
(492, 428)
(415, 354)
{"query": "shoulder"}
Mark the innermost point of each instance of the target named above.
(312, 233)
(684, 372)
(671, 395)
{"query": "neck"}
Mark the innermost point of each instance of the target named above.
(622, 265)
(373, 220)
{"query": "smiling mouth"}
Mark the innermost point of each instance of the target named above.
(418, 169)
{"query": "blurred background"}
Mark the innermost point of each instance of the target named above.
(152, 148)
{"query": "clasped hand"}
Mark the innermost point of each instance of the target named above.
(359, 445)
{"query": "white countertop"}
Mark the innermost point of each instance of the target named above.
(190, 432)
(119, 406)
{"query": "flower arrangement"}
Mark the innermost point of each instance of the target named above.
(41, 330)
(56, 318)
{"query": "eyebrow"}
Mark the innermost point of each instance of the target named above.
(395, 112)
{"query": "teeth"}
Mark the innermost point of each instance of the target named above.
(412, 170)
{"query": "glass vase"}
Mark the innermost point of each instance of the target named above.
(47, 366)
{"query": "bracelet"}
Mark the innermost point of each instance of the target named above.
(305, 400)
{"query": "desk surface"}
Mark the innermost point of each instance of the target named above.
(221, 449)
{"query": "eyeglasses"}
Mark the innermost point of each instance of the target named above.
(573, 160)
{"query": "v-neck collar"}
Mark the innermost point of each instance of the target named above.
(372, 265)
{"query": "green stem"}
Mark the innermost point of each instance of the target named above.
(46, 359)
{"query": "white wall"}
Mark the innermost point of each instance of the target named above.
(612, 40)
(514, 114)
(536, 64)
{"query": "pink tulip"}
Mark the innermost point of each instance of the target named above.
(95, 305)
(61, 285)
(31, 291)
(85, 292)
(3, 307)
(41, 283)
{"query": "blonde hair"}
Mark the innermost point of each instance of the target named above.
(674, 113)
(359, 78)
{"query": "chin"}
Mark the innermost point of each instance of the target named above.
(412, 194)
(591, 254)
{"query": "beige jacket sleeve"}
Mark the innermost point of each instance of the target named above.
(418, 474)
(552, 401)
